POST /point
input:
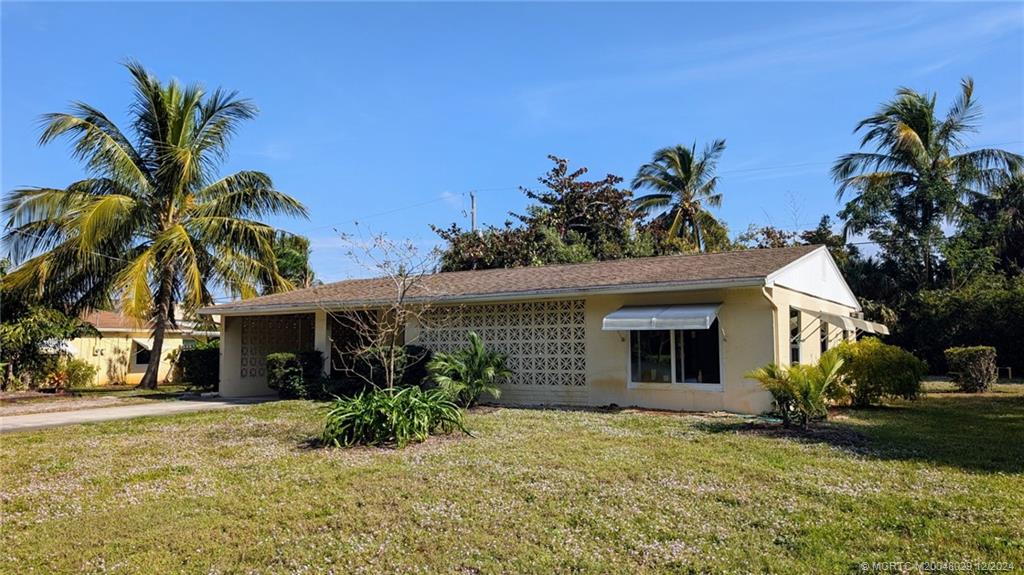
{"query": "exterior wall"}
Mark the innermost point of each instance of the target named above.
(245, 343)
(745, 326)
(751, 334)
(810, 342)
(112, 355)
(745, 331)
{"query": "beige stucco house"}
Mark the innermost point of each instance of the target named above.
(123, 351)
(673, 332)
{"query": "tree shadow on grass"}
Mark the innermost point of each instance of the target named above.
(983, 433)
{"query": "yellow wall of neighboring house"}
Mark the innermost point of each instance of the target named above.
(114, 355)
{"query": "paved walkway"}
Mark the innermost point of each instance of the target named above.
(31, 421)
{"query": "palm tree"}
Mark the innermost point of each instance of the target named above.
(684, 182)
(152, 227)
(469, 373)
(918, 174)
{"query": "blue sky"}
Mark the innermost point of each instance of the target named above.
(389, 113)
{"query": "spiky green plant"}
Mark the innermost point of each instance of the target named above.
(469, 373)
(683, 182)
(800, 391)
(391, 415)
(152, 226)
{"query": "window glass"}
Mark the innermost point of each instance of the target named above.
(651, 356)
(794, 336)
(141, 355)
(697, 359)
(824, 336)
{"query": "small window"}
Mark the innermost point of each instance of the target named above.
(824, 336)
(794, 336)
(651, 356)
(680, 356)
(141, 355)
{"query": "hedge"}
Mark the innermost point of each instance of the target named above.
(200, 366)
(973, 368)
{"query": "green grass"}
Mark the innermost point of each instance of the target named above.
(536, 491)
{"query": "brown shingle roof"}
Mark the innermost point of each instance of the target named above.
(101, 319)
(739, 267)
(114, 321)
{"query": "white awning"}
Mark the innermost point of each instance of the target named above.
(849, 323)
(146, 344)
(661, 317)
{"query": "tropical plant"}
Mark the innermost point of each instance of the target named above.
(152, 228)
(916, 177)
(292, 253)
(683, 182)
(391, 416)
(469, 373)
(70, 372)
(800, 391)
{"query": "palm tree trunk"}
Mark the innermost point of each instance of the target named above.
(162, 305)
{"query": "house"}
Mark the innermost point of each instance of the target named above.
(123, 351)
(672, 332)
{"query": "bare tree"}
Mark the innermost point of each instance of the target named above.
(372, 344)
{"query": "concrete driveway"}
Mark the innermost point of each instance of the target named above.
(12, 423)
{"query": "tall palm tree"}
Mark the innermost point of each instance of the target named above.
(152, 227)
(917, 176)
(684, 182)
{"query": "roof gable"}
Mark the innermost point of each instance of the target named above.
(816, 274)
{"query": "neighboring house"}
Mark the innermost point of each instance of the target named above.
(123, 351)
(672, 332)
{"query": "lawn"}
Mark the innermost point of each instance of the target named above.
(534, 491)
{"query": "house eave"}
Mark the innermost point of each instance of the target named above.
(305, 307)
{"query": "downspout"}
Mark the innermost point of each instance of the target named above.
(775, 324)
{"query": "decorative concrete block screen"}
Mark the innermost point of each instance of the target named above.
(544, 340)
(263, 335)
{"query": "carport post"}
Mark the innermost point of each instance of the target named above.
(322, 339)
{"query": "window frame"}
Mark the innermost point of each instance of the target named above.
(677, 385)
(795, 341)
(136, 348)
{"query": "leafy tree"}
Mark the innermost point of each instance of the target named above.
(683, 186)
(26, 329)
(596, 214)
(766, 237)
(572, 221)
(916, 177)
(152, 225)
(843, 253)
(996, 220)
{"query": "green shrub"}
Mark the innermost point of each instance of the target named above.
(469, 373)
(70, 372)
(973, 368)
(391, 416)
(800, 391)
(284, 375)
(199, 367)
(295, 375)
(873, 370)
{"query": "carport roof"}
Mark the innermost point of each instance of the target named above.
(665, 273)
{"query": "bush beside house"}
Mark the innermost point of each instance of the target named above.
(199, 367)
(973, 369)
(873, 371)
